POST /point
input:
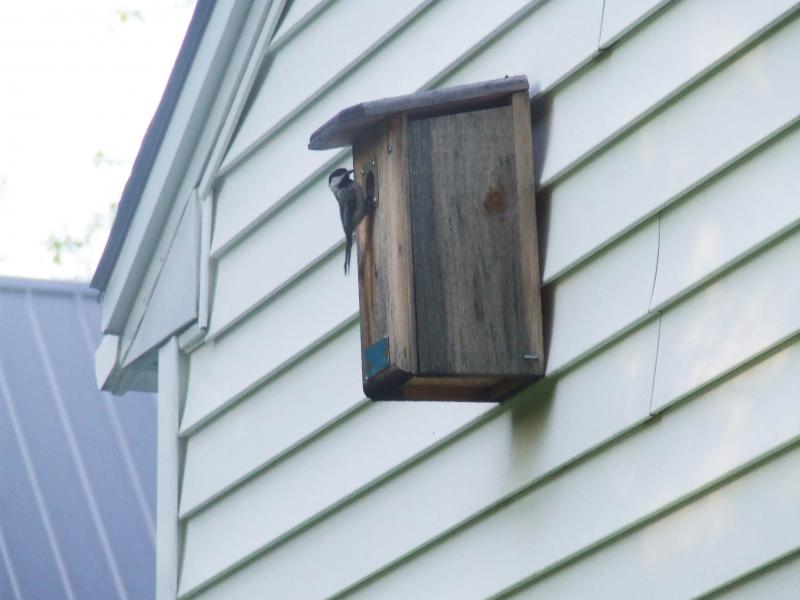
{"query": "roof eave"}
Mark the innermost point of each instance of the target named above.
(151, 143)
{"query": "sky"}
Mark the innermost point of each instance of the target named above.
(79, 82)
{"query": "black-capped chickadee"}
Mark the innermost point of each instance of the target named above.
(352, 206)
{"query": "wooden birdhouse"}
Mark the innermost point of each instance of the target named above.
(448, 263)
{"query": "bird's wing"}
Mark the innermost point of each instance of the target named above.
(347, 210)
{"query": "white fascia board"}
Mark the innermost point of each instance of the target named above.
(105, 362)
(111, 377)
(189, 120)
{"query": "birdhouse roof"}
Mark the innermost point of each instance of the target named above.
(343, 128)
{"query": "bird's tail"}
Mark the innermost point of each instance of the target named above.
(347, 249)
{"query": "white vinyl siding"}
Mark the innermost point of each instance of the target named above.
(666, 143)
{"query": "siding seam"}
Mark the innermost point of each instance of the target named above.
(694, 187)
(658, 257)
(594, 349)
(655, 365)
(659, 313)
(732, 264)
(786, 340)
(602, 19)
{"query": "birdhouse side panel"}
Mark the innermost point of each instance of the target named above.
(469, 278)
(527, 226)
(384, 257)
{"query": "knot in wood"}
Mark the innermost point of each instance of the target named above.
(496, 200)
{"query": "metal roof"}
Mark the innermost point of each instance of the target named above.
(151, 143)
(77, 466)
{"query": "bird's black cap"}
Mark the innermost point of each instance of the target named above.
(337, 173)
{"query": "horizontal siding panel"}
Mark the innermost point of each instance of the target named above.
(600, 301)
(728, 218)
(779, 582)
(275, 244)
(700, 546)
(620, 16)
(665, 462)
(712, 332)
(531, 436)
(273, 419)
(744, 104)
(288, 466)
(299, 11)
(412, 59)
(237, 362)
(547, 44)
(602, 298)
(599, 103)
(281, 247)
(301, 66)
(361, 449)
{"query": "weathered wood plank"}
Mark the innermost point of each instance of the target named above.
(386, 285)
(403, 345)
(465, 211)
(345, 127)
(530, 278)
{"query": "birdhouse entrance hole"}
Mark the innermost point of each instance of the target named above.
(369, 187)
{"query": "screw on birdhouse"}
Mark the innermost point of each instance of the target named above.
(530, 356)
(373, 162)
(362, 170)
(389, 149)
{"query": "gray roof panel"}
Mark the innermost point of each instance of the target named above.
(77, 481)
